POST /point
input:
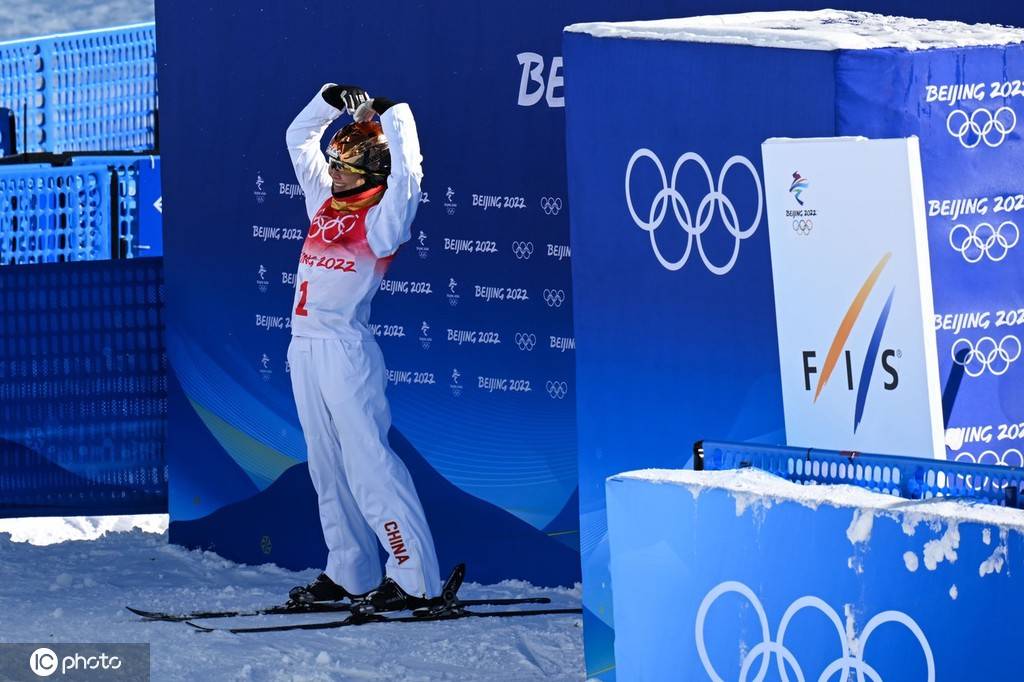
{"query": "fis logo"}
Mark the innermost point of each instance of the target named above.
(874, 351)
(798, 186)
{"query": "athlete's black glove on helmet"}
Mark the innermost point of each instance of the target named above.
(345, 98)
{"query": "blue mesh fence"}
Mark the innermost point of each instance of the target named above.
(908, 477)
(54, 215)
(83, 389)
(94, 90)
(137, 225)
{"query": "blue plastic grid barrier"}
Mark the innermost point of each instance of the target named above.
(94, 90)
(7, 145)
(83, 389)
(132, 173)
(54, 215)
(908, 477)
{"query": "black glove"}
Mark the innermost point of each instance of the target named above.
(381, 104)
(377, 105)
(345, 98)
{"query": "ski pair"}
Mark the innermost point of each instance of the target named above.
(317, 607)
(454, 612)
(448, 599)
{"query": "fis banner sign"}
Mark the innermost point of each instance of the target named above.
(853, 294)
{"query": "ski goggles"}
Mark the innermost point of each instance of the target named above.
(339, 165)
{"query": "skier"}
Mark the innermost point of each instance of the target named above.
(361, 203)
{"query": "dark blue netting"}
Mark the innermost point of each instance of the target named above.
(83, 388)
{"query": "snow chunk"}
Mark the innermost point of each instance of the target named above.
(986, 536)
(944, 548)
(953, 593)
(823, 30)
(994, 564)
(860, 528)
(910, 560)
(323, 658)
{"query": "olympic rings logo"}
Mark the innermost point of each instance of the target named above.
(694, 224)
(522, 250)
(331, 229)
(803, 226)
(525, 341)
(1011, 458)
(986, 355)
(851, 658)
(981, 126)
(551, 205)
(557, 389)
(554, 297)
(984, 241)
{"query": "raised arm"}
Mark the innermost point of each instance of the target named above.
(388, 224)
(303, 139)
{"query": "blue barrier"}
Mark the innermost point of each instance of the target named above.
(7, 144)
(54, 215)
(908, 477)
(139, 227)
(94, 90)
(83, 389)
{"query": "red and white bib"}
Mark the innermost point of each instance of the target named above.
(338, 272)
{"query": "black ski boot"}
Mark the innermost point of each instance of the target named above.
(321, 589)
(389, 596)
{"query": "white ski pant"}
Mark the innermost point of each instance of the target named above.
(364, 490)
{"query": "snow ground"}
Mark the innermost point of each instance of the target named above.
(76, 590)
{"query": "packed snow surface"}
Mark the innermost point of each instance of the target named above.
(752, 486)
(32, 18)
(76, 591)
(826, 29)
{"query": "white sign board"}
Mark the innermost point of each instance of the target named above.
(853, 295)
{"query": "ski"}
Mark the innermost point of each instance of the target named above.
(354, 619)
(317, 607)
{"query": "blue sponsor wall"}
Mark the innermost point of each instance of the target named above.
(688, 348)
(964, 105)
(826, 591)
(485, 83)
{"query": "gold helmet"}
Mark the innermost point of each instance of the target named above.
(361, 148)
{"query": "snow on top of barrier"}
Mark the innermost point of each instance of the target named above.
(826, 29)
(753, 487)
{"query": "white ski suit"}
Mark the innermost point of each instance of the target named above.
(364, 490)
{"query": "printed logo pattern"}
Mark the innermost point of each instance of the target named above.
(694, 224)
(851, 659)
(981, 125)
(986, 355)
(984, 241)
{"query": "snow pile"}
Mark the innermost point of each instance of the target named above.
(49, 530)
(77, 591)
(753, 487)
(826, 29)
